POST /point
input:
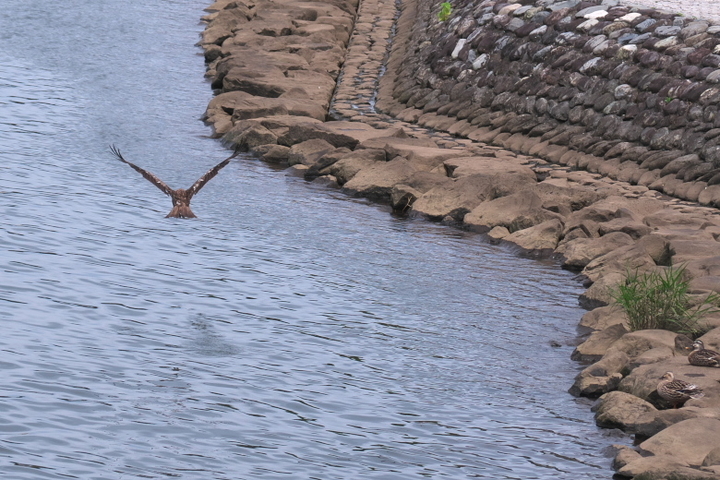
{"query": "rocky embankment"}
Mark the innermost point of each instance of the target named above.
(584, 131)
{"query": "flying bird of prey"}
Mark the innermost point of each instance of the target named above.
(180, 197)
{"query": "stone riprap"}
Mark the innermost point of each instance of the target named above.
(275, 65)
(273, 58)
(631, 93)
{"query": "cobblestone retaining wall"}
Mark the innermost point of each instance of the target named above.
(627, 92)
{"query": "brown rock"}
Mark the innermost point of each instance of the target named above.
(623, 456)
(592, 349)
(651, 424)
(376, 182)
(688, 441)
(308, 152)
(630, 258)
(396, 142)
(660, 465)
(658, 248)
(497, 234)
(625, 225)
(468, 192)
(580, 252)
(603, 317)
(640, 341)
(600, 292)
(654, 355)
(316, 170)
(621, 410)
(347, 167)
(713, 457)
(276, 154)
(250, 134)
(515, 212)
(539, 240)
(425, 158)
(464, 166)
(642, 381)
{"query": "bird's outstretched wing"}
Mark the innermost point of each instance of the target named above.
(149, 176)
(209, 175)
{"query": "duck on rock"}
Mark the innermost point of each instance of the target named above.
(677, 391)
(703, 357)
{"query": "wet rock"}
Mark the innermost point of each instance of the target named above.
(600, 292)
(376, 181)
(309, 152)
(348, 166)
(597, 344)
(276, 154)
(539, 240)
(621, 410)
(316, 168)
(623, 456)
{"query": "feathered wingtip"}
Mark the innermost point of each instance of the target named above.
(116, 151)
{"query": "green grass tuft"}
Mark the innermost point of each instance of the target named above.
(445, 11)
(660, 299)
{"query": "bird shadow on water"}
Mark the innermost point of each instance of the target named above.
(206, 340)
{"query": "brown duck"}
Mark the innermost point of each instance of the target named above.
(677, 391)
(180, 197)
(703, 357)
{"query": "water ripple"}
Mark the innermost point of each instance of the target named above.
(289, 332)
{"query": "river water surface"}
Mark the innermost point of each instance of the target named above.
(288, 333)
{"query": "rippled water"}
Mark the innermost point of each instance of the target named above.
(290, 332)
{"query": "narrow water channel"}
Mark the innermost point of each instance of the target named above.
(288, 333)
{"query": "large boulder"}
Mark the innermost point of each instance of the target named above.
(309, 151)
(640, 341)
(560, 195)
(515, 212)
(348, 166)
(331, 133)
(270, 81)
(578, 253)
(689, 441)
(630, 258)
(643, 380)
(403, 195)
(621, 410)
(539, 240)
(377, 181)
(662, 467)
(238, 105)
(603, 317)
(602, 376)
(468, 192)
(601, 292)
(592, 349)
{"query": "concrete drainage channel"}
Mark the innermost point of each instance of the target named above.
(563, 141)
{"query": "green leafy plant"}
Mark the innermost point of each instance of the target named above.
(660, 299)
(445, 11)
(669, 99)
